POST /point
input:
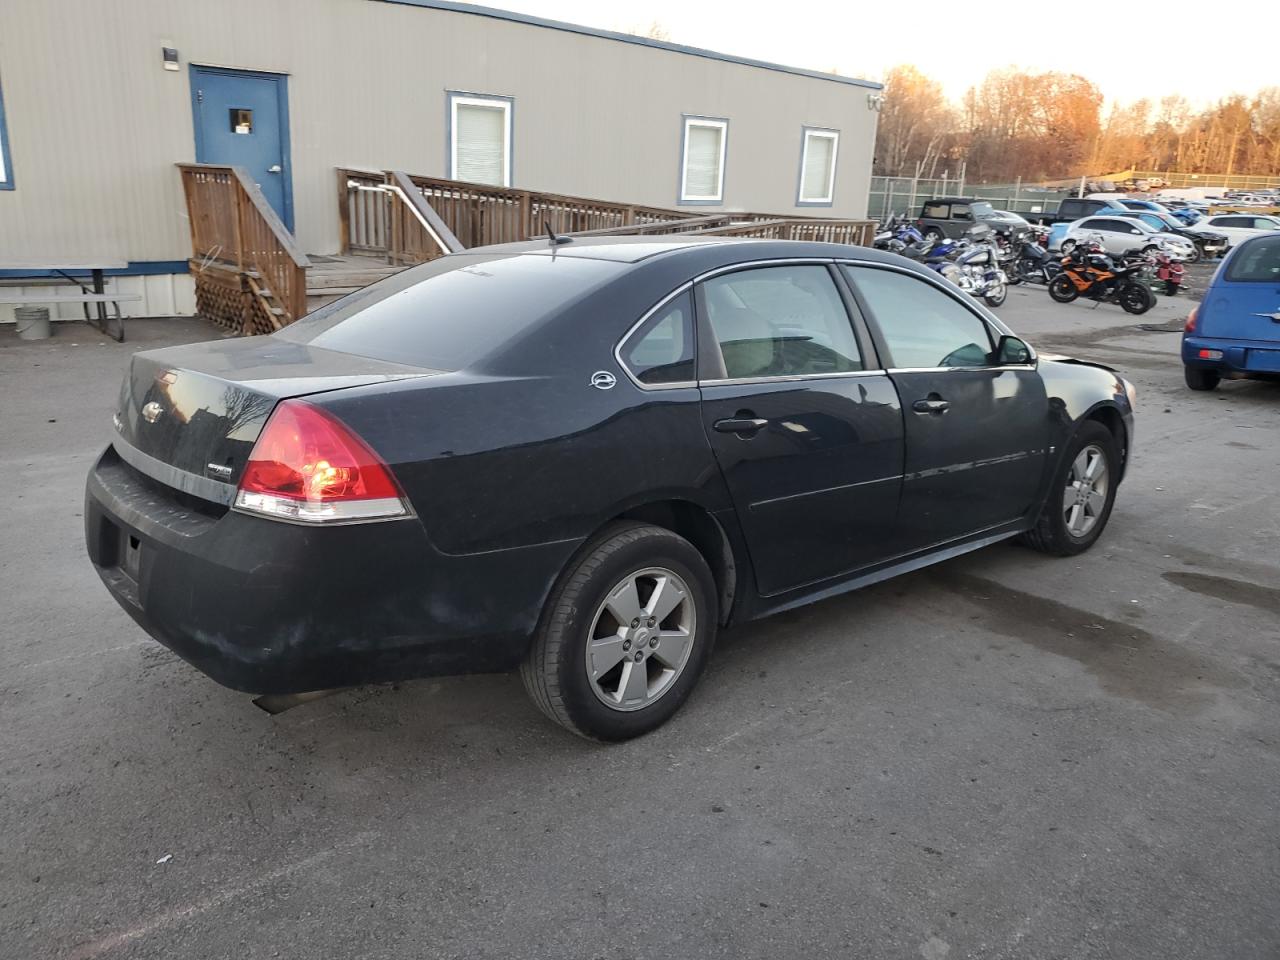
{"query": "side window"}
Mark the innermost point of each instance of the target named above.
(661, 351)
(781, 321)
(922, 326)
(1262, 223)
(937, 211)
(961, 211)
(1233, 222)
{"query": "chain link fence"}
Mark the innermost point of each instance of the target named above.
(891, 196)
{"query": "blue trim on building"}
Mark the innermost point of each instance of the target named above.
(136, 268)
(449, 96)
(724, 162)
(6, 183)
(282, 98)
(512, 17)
(835, 160)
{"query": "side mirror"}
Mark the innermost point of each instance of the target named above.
(1011, 351)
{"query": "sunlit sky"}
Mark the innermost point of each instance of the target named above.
(958, 42)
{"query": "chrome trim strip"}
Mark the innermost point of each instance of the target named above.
(1001, 369)
(815, 493)
(194, 484)
(735, 381)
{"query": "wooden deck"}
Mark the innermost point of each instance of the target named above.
(330, 277)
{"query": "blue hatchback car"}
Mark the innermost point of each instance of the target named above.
(1235, 330)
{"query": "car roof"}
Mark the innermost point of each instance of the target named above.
(715, 251)
(954, 200)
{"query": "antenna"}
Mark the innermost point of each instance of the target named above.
(552, 238)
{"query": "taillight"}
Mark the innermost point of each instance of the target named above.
(1191, 320)
(307, 465)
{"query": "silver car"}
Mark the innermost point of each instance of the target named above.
(1120, 235)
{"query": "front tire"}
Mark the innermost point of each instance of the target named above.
(1062, 289)
(1199, 378)
(996, 296)
(1081, 496)
(625, 636)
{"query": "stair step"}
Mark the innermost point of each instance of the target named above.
(330, 279)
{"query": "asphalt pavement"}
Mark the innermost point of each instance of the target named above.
(1004, 756)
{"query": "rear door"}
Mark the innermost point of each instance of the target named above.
(806, 429)
(976, 432)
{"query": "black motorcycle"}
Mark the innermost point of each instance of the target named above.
(1030, 262)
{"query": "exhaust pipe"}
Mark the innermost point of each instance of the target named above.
(276, 703)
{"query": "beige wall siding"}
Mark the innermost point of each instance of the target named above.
(95, 124)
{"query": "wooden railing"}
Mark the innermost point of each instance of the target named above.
(362, 211)
(407, 217)
(480, 215)
(233, 226)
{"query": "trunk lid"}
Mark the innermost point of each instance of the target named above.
(188, 416)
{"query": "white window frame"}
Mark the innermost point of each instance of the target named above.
(505, 104)
(808, 134)
(718, 123)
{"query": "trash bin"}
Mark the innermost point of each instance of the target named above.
(33, 323)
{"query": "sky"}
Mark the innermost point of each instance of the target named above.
(956, 42)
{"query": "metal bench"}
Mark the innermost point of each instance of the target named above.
(94, 295)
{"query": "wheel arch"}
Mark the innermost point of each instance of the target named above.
(699, 526)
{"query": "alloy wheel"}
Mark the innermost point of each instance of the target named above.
(640, 639)
(1085, 496)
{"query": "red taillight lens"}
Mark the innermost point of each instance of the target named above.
(307, 465)
(1191, 320)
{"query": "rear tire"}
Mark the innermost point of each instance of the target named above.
(1067, 246)
(1196, 254)
(1199, 378)
(1062, 289)
(1136, 298)
(1060, 530)
(933, 235)
(608, 678)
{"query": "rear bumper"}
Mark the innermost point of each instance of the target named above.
(1250, 358)
(269, 607)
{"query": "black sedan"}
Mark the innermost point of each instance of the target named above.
(582, 460)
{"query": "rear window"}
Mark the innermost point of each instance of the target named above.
(1257, 261)
(450, 312)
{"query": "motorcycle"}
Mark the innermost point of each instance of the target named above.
(972, 264)
(1170, 272)
(896, 234)
(1031, 261)
(1088, 271)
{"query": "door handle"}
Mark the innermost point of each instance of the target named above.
(274, 168)
(931, 405)
(747, 426)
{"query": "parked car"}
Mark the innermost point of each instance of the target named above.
(1132, 203)
(1205, 242)
(952, 216)
(524, 456)
(1239, 227)
(1235, 330)
(1120, 234)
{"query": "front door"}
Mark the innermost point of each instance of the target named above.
(976, 433)
(809, 442)
(242, 118)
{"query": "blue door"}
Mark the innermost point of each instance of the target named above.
(242, 118)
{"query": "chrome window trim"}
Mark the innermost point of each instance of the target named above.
(735, 381)
(684, 288)
(1000, 369)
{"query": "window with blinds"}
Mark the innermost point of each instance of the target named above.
(480, 138)
(702, 167)
(818, 166)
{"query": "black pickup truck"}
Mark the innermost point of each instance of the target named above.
(1072, 209)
